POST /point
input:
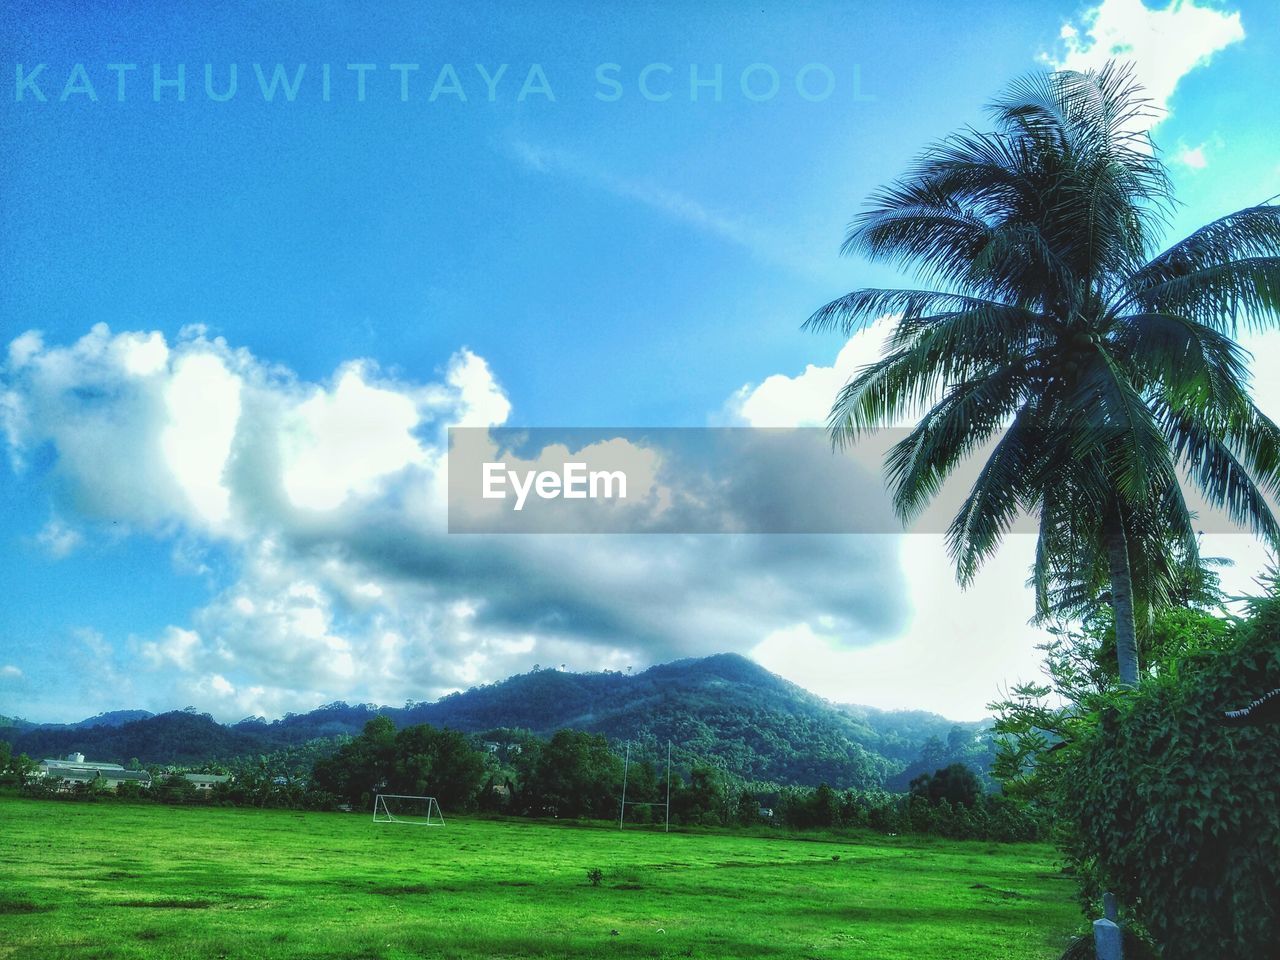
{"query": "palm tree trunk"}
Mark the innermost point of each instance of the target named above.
(1122, 598)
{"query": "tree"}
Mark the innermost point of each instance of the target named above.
(702, 801)
(575, 775)
(22, 768)
(440, 763)
(1174, 810)
(955, 785)
(362, 766)
(1049, 338)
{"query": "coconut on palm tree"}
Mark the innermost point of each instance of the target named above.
(1095, 375)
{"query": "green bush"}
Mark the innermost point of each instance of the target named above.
(1180, 815)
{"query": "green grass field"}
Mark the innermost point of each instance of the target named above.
(115, 880)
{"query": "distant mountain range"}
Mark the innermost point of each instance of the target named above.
(724, 708)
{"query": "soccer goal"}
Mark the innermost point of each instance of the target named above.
(417, 811)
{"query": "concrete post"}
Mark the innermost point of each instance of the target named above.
(1108, 938)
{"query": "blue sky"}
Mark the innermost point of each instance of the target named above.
(217, 498)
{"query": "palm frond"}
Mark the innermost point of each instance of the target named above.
(1251, 232)
(1222, 295)
(1003, 487)
(971, 413)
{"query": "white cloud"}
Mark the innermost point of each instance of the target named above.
(10, 672)
(340, 443)
(203, 400)
(957, 645)
(59, 539)
(24, 347)
(805, 399)
(1193, 158)
(177, 647)
(481, 401)
(959, 649)
(1164, 44)
(316, 512)
(373, 600)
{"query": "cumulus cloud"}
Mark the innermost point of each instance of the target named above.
(316, 510)
(10, 672)
(951, 642)
(177, 647)
(1163, 44)
(804, 400)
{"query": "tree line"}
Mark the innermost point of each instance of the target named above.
(576, 775)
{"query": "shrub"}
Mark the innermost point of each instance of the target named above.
(1178, 814)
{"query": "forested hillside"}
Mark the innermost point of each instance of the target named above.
(725, 709)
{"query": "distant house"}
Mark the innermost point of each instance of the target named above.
(206, 781)
(74, 769)
(766, 813)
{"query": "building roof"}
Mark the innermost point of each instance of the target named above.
(89, 765)
(80, 771)
(207, 777)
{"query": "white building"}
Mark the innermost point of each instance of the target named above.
(206, 781)
(74, 769)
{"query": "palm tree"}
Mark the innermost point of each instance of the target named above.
(1049, 339)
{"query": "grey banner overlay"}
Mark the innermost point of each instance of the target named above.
(692, 481)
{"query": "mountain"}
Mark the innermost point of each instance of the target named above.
(9, 726)
(114, 718)
(723, 708)
(181, 736)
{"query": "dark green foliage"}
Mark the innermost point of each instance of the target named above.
(989, 817)
(10, 727)
(955, 784)
(174, 788)
(1178, 814)
(439, 763)
(575, 775)
(418, 760)
(968, 744)
(18, 769)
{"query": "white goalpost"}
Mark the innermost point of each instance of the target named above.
(399, 808)
(664, 804)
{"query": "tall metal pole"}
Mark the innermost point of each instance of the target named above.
(668, 829)
(622, 813)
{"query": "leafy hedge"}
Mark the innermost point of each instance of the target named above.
(1180, 815)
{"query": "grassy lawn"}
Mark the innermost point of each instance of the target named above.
(114, 880)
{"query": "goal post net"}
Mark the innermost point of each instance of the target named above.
(415, 811)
